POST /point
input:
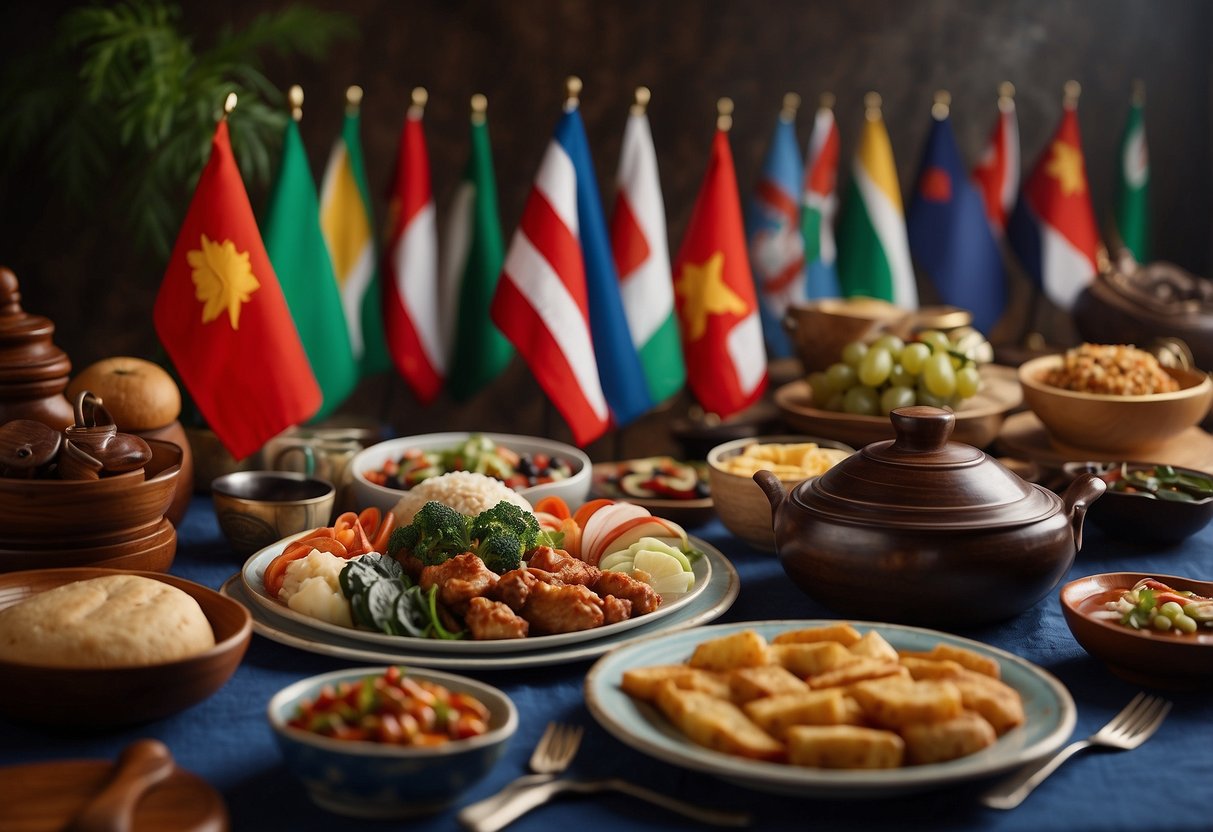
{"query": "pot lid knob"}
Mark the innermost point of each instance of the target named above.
(922, 428)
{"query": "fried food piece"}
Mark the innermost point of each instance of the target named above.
(489, 620)
(844, 746)
(935, 742)
(874, 646)
(615, 609)
(995, 700)
(716, 723)
(776, 714)
(742, 649)
(857, 671)
(552, 608)
(931, 668)
(514, 587)
(749, 683)
(843, 633)
(643, 597)
(642, 682)
(566, 568)
(962, 656)
(811, 658)
(897, 700)
(459, 580)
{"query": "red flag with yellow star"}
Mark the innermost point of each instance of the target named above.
(714, 295)
(222, 318)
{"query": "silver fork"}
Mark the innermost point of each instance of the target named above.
(1135, 724)
(552, 756)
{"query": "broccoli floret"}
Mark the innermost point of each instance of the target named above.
(437, 533)
(506, 519)
(501, 553)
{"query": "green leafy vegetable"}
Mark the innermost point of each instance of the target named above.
(383, 598)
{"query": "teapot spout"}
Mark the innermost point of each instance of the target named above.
(772, 487)
(1085, 490)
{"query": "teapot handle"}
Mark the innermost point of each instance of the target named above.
(1086, 489)
(772, 487)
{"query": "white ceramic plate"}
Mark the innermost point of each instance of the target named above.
(719, 594)
(254, 569)
(1049, 708)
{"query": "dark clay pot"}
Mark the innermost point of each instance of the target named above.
(919, 530)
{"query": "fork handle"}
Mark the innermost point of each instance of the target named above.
(475, 812)
(1011, 792)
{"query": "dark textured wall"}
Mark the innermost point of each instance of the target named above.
(689, 53)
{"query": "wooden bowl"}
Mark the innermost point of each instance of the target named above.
(81, 511)
(1145, 657)
(109, 697)
(978, 420)
(150, 552)
(820, 329)
(1119, 424)
(739, 502)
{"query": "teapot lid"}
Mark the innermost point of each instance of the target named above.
(921, 480)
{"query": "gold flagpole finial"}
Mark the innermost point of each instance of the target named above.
(295, 97)
(941, 105)
(826, 102)
(1006, 90)
(724, 114)
(640, 101)
(1139, 92)
(353, 98)
(871, 106)
(480, 106)
(791, 103)
(418, 99)
(229, 104)
(1070, 93)
(572, 92)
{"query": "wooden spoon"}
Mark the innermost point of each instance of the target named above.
(141, 765)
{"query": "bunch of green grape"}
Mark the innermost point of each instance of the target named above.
(874, 379)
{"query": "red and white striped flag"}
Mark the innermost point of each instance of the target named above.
(541, 303)
(997, 173)
(410, 303)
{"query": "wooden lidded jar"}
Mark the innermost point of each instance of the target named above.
(33, 371)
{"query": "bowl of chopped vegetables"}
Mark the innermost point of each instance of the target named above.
(532, 466)
(1154, 630)
(386, 742)
(1149, 502)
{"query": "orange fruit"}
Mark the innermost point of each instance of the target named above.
(139, 394)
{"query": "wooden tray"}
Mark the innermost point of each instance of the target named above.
(1023, 435)
(978, 420)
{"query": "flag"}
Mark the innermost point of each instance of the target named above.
(296, 249)
(348, 226)
(412, 327)
(997, 174)
(642, 259)
(776, 242)
(950, 237)
(819, 204)
(1132, 207)
(474, 252)
(717, 307)
(223, 320)
(1053, 229)
(873, 252)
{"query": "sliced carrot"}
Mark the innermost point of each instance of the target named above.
(362, 543)
(345, 521)
(587, 510)
(556, 506)
(369, 518)
(383, 533)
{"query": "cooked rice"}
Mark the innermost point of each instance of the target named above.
(467, 492)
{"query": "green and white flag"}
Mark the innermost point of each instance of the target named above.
(345, 217)
(473, 254)
(873, 249)
(301, 260)
(1132, 209)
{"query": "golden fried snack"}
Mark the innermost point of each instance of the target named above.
(715, 723)
(844, 746)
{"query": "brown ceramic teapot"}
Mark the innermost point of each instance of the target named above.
(921, 530)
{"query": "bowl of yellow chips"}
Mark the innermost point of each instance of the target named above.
(740, 503)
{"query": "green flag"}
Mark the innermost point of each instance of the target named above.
(345, 217)
(1133, 182)
(301, 260)
(475, 251)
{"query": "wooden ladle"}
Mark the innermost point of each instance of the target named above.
(141, 765)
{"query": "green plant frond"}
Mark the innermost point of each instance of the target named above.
(295, 29)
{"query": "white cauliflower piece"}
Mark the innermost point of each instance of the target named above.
(316, 564)
(311, 587)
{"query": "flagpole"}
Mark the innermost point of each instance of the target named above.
(294, 97)
(941, 105)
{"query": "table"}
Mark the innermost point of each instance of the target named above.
(1167, 784)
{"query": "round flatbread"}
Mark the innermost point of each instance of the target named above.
(114, 621)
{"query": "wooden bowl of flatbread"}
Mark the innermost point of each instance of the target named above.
(98, 648)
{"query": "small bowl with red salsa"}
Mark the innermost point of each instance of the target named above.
(390, 742)
(1113, 616)
(1149, 502)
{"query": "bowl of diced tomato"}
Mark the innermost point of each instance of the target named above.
(533, 466)
(390, 742)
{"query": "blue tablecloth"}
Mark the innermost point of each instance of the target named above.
(1166, 785)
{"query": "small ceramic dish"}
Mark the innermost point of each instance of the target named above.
(1145, 657)
(257, 508)
(106, 697)
(1139, 516)
(380, 780)
(573, 489)
(689, 511)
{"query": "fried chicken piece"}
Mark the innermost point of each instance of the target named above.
(552, 608)
(615, 609)
(493, 620)
(566, 568)
(643, 597)
(459, 580)
(515, 587)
